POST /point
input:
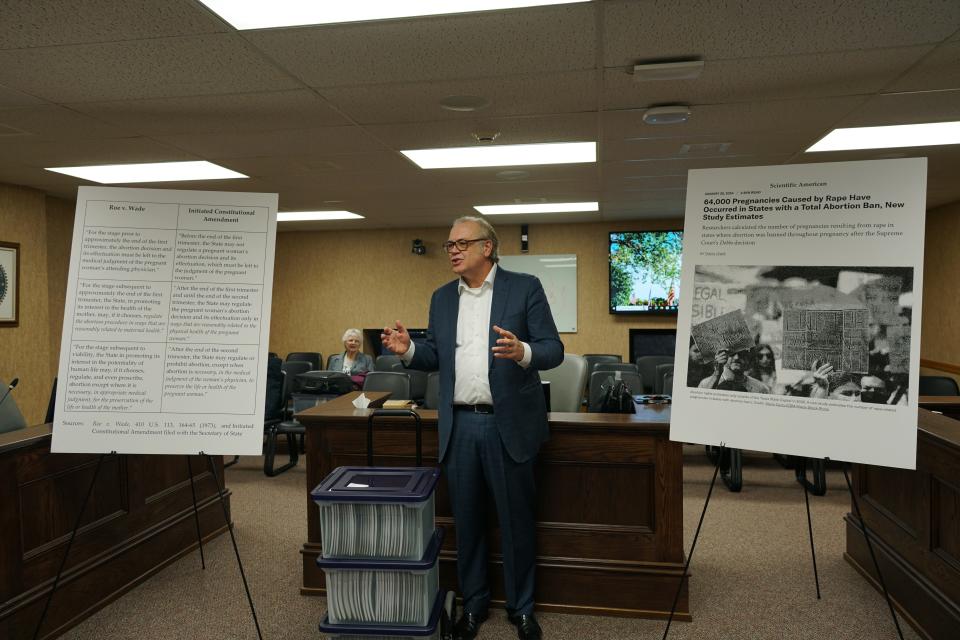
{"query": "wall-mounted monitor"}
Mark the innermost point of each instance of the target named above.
(645, 271)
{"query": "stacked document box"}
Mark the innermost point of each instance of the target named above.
(382, 632)
(380, 551)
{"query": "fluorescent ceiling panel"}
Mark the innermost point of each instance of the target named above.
(504, 155)
(302, 216)
(256, 14)
(900, 135)
(557, 207)
(149, 172)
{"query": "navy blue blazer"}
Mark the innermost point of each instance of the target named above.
(519, 306)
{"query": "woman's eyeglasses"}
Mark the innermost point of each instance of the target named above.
(461, 244)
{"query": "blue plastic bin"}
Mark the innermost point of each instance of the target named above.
(377, 512)
(431, 631)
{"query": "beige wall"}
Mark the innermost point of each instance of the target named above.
(328, 281)
(25, 349)
(940, 330)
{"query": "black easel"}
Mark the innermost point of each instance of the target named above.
(236, 551)
(196, 512)
(196, 515)
(73, 535)
(876, 565)
(806, 497)
(683, 576)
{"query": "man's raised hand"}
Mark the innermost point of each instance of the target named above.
(396, 340)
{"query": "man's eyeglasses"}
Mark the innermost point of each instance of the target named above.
(461, 244)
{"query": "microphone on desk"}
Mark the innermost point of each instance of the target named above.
(10, 387)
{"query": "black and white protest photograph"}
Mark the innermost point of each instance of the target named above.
(835, 333)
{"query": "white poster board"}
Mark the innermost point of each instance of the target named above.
(558, 275)
(805, 332)
(166, 324)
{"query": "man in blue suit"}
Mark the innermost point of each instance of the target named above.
(489, 333)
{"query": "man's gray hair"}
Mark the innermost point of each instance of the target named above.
(487, 232)
(355, 333)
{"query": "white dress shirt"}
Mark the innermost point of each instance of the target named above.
(472, 364)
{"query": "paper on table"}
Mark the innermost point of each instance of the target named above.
(361, 402)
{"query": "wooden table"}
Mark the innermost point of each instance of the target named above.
(914, 523)
(609, 520)
(139, 520)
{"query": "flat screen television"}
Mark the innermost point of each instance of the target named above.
(645, 271)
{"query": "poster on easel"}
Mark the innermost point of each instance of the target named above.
(166, 322)
(802, 335)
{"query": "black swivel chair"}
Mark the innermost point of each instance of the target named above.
(662, 370)
(667, 384)
(938, 386)
(431, 398)
(386, 362)
(647, 368)
(592, 359)
(397, 383)
(313, 357)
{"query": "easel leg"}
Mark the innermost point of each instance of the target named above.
(813, 551)
(236, 551)
(196, 512)
(73, 535)
(876, 565)
(683, 576)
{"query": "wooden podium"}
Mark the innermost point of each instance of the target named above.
(610, 519)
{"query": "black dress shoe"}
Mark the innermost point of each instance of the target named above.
(468, 626)
(527, 627)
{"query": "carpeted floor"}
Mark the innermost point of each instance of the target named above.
(751, 572)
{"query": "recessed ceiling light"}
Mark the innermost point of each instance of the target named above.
(303, 216)
(505, 155)
(556, 207)
(675, 114)
(927, 134)
(464, 103)
(684, 70)
(149, 172)
(255, 14)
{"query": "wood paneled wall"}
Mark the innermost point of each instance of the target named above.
(941, 280)
(25, 349)
(327, 281)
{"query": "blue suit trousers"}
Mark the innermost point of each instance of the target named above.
(476, 466)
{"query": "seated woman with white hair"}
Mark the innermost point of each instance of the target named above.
(351, 362)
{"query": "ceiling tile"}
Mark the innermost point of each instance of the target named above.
(784, 142)
(773, 78)
(534, 40)
(11, 98)
(539, 94)
(153, 68)
(817, 114)
(49, 122)
(68, 153)
(939, 70)
(905, 108)
(459, 133)
(661, 29)
(47, 23)
(296, 109)
(331, 140)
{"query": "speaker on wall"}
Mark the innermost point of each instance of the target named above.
(524, 239)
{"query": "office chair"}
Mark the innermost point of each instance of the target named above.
(313, 357)
(647, 368)
(567, 383)
(291, 428)
(598, 379)
(10, 417)
(667, 384)
(594, 358)
(615, 366)
(937, 386)
(662, 370)
(431, 398)
(397, 383)
(386, 362)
